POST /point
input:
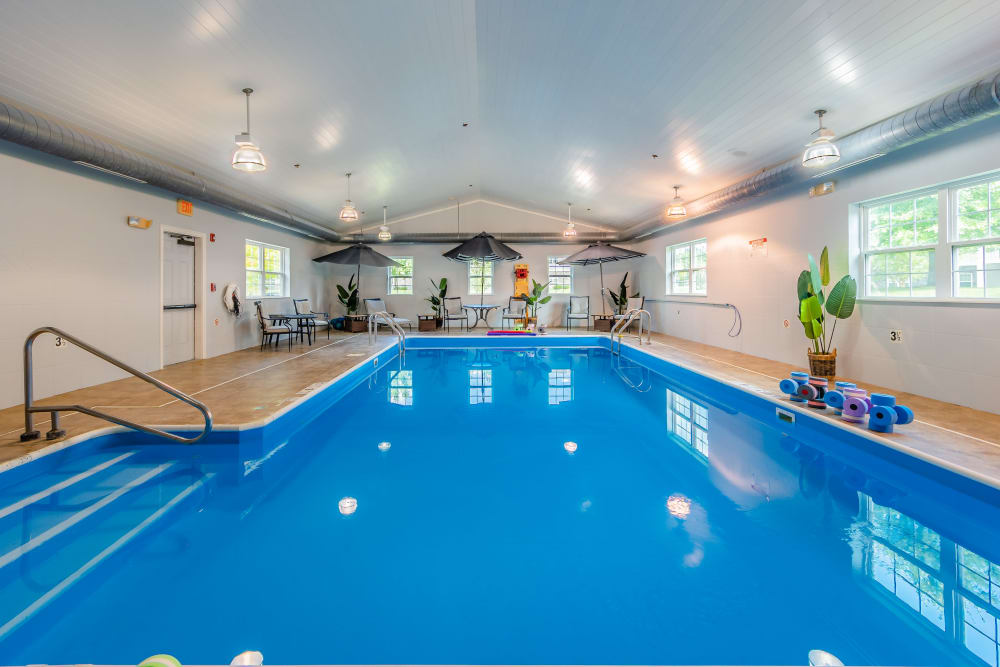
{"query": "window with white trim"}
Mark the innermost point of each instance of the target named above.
(267, 272)
(942, 242)
(480, 277)
(687, 268)
(400, 277)
(560, 276)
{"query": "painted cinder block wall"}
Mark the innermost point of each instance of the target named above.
(68, 259)
(950, 351)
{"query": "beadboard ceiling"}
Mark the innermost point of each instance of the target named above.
(566, 100)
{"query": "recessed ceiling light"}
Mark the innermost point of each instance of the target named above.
(296, 165)
(654, 156)
(465, 123)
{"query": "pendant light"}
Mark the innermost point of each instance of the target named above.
(247, 156)
(383, 232)
(821, 151)
(570, 230)
(676, 209)
(349, 213)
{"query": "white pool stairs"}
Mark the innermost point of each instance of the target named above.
(58, 526)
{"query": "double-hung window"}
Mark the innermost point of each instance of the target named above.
(401, 276)
(266, 270)
(942, 242)
(560, 276)
(687, 268)
(480, 277)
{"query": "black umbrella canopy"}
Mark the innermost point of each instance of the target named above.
(599, 253)
(358, 254)
(483, 246)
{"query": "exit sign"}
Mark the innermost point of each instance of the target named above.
(184, 207)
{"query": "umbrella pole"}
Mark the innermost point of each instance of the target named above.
(482, 281)
(604, 304)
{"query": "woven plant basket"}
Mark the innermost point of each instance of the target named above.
(823, 365)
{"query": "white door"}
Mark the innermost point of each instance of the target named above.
(178, 298)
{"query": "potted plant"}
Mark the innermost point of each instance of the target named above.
(349, 297)
(621, 298)
(437, 300)
(812, 301)
(534, 300)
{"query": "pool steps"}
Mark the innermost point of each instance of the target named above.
(57, 532)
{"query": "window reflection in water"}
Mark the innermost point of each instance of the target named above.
(480, 386)
(401, 387)
(687, 422)
(935, 578)
(560, 386)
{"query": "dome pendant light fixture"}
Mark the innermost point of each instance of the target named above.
(383, 232)
(821, 151)
(349, 213)
(570, 230)
(247, 156)
(676, 209)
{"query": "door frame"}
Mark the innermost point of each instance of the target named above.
(200, 289)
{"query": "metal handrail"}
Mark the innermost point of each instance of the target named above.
(373, 319)
(55, 432)
(645, 381)
(624, 323)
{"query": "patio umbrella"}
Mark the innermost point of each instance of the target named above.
(599, 253)
(358, 254)
(483, 247)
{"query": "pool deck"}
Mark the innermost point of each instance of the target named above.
(250, 386)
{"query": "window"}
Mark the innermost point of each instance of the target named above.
(401, 277)
(480, 277)
(687, 268)
(688, 421)
(560, 276)
(938, 243)
(480, 386)
(560, 385)
(401, 388)
(267, 270)
(900, 240)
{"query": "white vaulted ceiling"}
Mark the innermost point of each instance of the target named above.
(566, 99)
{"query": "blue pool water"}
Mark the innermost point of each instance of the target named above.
(687, 527)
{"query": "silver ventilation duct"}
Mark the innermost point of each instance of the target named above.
(945, 113)
(33, 131)
(507, 237)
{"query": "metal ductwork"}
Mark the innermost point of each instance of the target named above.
(945, 113)
(34, 131)
(506, 237)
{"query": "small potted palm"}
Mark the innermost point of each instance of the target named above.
(349, 297)
(436, 299)
(534, 300)
(812, 302)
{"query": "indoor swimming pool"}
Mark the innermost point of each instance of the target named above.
(524, 505)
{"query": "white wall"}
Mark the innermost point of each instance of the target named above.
(68, 259)
(428, 264)
(950, 352)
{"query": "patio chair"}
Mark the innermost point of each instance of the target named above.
(303, 307)
(579, 309)
(270, 330)
(453, 311)
(516, 308)
(378, 306)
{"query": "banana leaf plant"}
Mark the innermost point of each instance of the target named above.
(349, 295)
(812, 301)
(535, 299)
(437, 300)
(621, 298)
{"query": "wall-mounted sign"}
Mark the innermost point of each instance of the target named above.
(137, 222)
(758, 247)
(184, 207)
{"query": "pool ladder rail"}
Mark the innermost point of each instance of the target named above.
(385, 318)
(623, 324)
(55, 432)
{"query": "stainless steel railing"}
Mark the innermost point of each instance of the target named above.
(387, 319)
(55, 432)
(623, 324)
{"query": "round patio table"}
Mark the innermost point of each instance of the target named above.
(482, 312)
